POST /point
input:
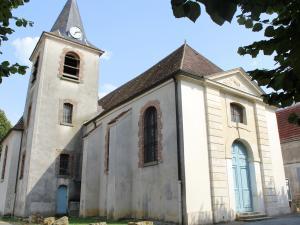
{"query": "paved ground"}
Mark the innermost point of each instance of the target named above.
(285, 220)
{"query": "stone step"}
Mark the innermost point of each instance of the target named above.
(252, 216)
(256, 219)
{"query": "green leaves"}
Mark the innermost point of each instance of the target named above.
(6, 69)
(6, 16)
(5, 125)
(183, 8)
(257, 27)
(219, 11)
(269, 32)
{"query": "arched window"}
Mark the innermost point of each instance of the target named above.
(71, 66)
(237, 113)
(150, 135)
(68, 113)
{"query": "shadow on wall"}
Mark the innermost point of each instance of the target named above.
(42, 198)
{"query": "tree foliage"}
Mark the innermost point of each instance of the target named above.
(6, 20)
(280, 22)
(5, 125)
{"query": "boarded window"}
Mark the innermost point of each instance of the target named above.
(150, 135)
(35, 70)
(71, 66)
(22, 166)
(4, 163)
(64, 164)
(237, 113)
(68, 113)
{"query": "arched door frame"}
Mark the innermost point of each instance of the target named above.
(255, 176)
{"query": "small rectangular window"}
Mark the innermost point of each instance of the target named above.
(64, 165)
(68, 113)
(237, 112)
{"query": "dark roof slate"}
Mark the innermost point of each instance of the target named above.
(19, 126)
(184, 59)
(70, 17)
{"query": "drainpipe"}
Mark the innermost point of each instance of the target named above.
(179, 156)
(18, 167)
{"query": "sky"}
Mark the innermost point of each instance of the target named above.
(135, 35)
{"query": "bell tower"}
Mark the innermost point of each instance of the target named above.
(62, 95)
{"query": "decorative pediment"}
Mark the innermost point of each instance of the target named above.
(238, 79)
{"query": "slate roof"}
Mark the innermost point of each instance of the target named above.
(70, 17)
(184, 59)
(288, 131)
(19, 126)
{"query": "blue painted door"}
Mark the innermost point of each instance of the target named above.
(62, 201)
(241, 177)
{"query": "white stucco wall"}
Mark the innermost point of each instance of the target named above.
(195, 152)
(128, 190)
(282, 205)
(46, 138)
(7, 190)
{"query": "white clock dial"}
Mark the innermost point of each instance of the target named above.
(76, 32)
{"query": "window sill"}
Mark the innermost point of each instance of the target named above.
(66, 124)
(67, 78)
(154, 163)
(64, 176)
(239, 125)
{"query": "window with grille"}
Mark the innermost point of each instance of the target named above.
(4, 163)
(68, 113)
(71, 66)
(150, 135)
(35, 69)
(64, 164)
(22, 166)
(237, 113)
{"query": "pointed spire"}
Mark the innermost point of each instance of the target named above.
(70, 18)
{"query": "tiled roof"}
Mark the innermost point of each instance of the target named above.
(288, 131)
(184, 59)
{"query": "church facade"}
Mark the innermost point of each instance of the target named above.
(184, 142)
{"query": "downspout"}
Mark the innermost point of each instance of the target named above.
(18, 167)
(179, 156)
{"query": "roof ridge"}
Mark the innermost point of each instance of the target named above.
(203, 57)
(140, 75)
(183, 54)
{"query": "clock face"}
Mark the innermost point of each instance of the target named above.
(76, 32)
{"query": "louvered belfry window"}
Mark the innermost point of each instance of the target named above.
(150, 135)
(71, 66)
(237, 113)
(35, 69)
(68, 113)
(64, 162)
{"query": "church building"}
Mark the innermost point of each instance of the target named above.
(184, 142)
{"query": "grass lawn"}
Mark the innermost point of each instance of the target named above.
(72, 221)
